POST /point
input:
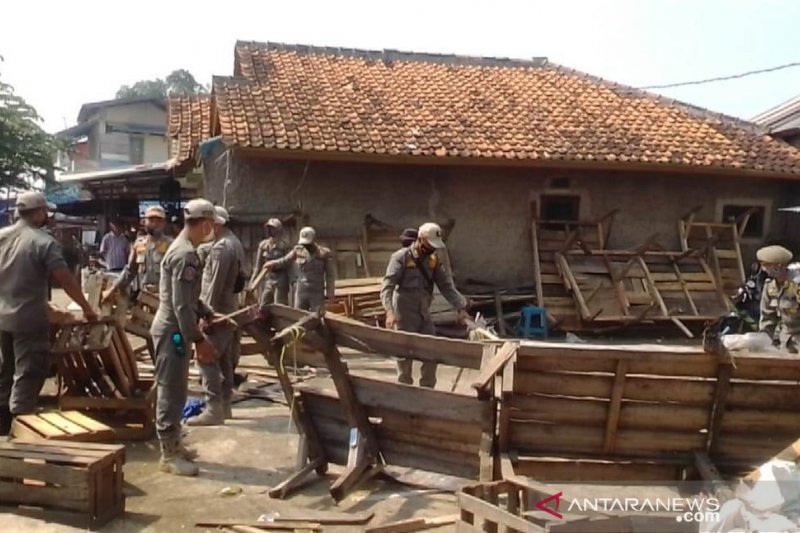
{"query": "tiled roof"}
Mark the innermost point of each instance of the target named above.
(299, 98)
(189, 121)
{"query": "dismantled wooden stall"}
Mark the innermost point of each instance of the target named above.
(613, 288)
(366, 423)
(719, 242)
(591, 413)
(98, 374)
(551, 237)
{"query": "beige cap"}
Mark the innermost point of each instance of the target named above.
(774, 254)
(307, 235)
(201, 208)
(33, 200)
(432, 233)
(155, 211)
(222, 214)
(274, 223)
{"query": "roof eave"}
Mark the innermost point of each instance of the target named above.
(361, 157)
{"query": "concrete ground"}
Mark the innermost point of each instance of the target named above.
(250, 454)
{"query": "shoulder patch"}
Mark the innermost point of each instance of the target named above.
(189, 273)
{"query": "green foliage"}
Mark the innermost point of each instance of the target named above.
(178, 83)
(27, 152)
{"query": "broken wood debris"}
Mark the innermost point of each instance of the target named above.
(413, 524)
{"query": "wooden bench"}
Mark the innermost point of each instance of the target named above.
(589, 413)
(363, 422)
(83, 479)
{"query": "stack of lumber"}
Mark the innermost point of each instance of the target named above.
(98, 373)
(83, 479)
(358, 298)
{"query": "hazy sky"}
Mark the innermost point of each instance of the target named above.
(59, 55)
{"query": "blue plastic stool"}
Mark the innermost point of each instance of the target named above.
(532, 322)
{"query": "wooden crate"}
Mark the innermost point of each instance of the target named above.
(83, 479)
(142, 314)
(129, 418)
(531, 507)
(66, 425)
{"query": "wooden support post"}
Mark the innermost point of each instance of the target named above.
(708, 471)
(363, 460)
(724, 372)
(624, 305)
(612, 420)
(685, 288)
(566, 272)
(501, 322)
(537, 265)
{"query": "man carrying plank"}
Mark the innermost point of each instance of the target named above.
(143, 270)
(29, 257)
(407, 294)
(223, 260)
(176, 329)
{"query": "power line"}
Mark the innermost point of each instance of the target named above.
(724, 78)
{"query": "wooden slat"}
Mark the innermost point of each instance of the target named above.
(612, 420)
(419, 401)
(72, 498)
(487, 511)
(47, 472)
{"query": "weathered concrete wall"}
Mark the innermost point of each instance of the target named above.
(491, 206)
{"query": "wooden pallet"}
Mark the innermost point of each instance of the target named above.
(550, 237)
(66, 425)
(83, 479)
(99, 375)
(720, 242)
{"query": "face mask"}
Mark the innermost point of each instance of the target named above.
(209, 236)
(310, 247)
(155, 232)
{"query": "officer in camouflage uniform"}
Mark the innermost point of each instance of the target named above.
(276, 282)
(143, 270)
(780, 302)
(176, 330)
(312, 270)
(222, 267)
(29, 258)
(407, 294)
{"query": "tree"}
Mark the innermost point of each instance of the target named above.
(178, 83)
(27, 152)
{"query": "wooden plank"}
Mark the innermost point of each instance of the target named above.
(718, 406)
(487, 511)
(419, 401)
(358, 336)
(495, 365)
(63, 475)
(71, 498)
(612, 420)
(560, 470)
(63, 423)
(413, 524)
(576, 291)
(43, 427)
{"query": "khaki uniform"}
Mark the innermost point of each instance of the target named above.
(28, 256)
(143, 270)
(407, 291)
(780, 312)
(222, 263)
(313, 274)
(276, 282)
(178, 312)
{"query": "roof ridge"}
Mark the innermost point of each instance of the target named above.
(399, 55)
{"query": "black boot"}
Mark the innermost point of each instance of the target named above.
(5, 421)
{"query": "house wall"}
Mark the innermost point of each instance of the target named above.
(491, 206)
(113, 149)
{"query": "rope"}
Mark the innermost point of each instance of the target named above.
(295, 334)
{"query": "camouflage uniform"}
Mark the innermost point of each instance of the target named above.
(407, 291)
(780, 311)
